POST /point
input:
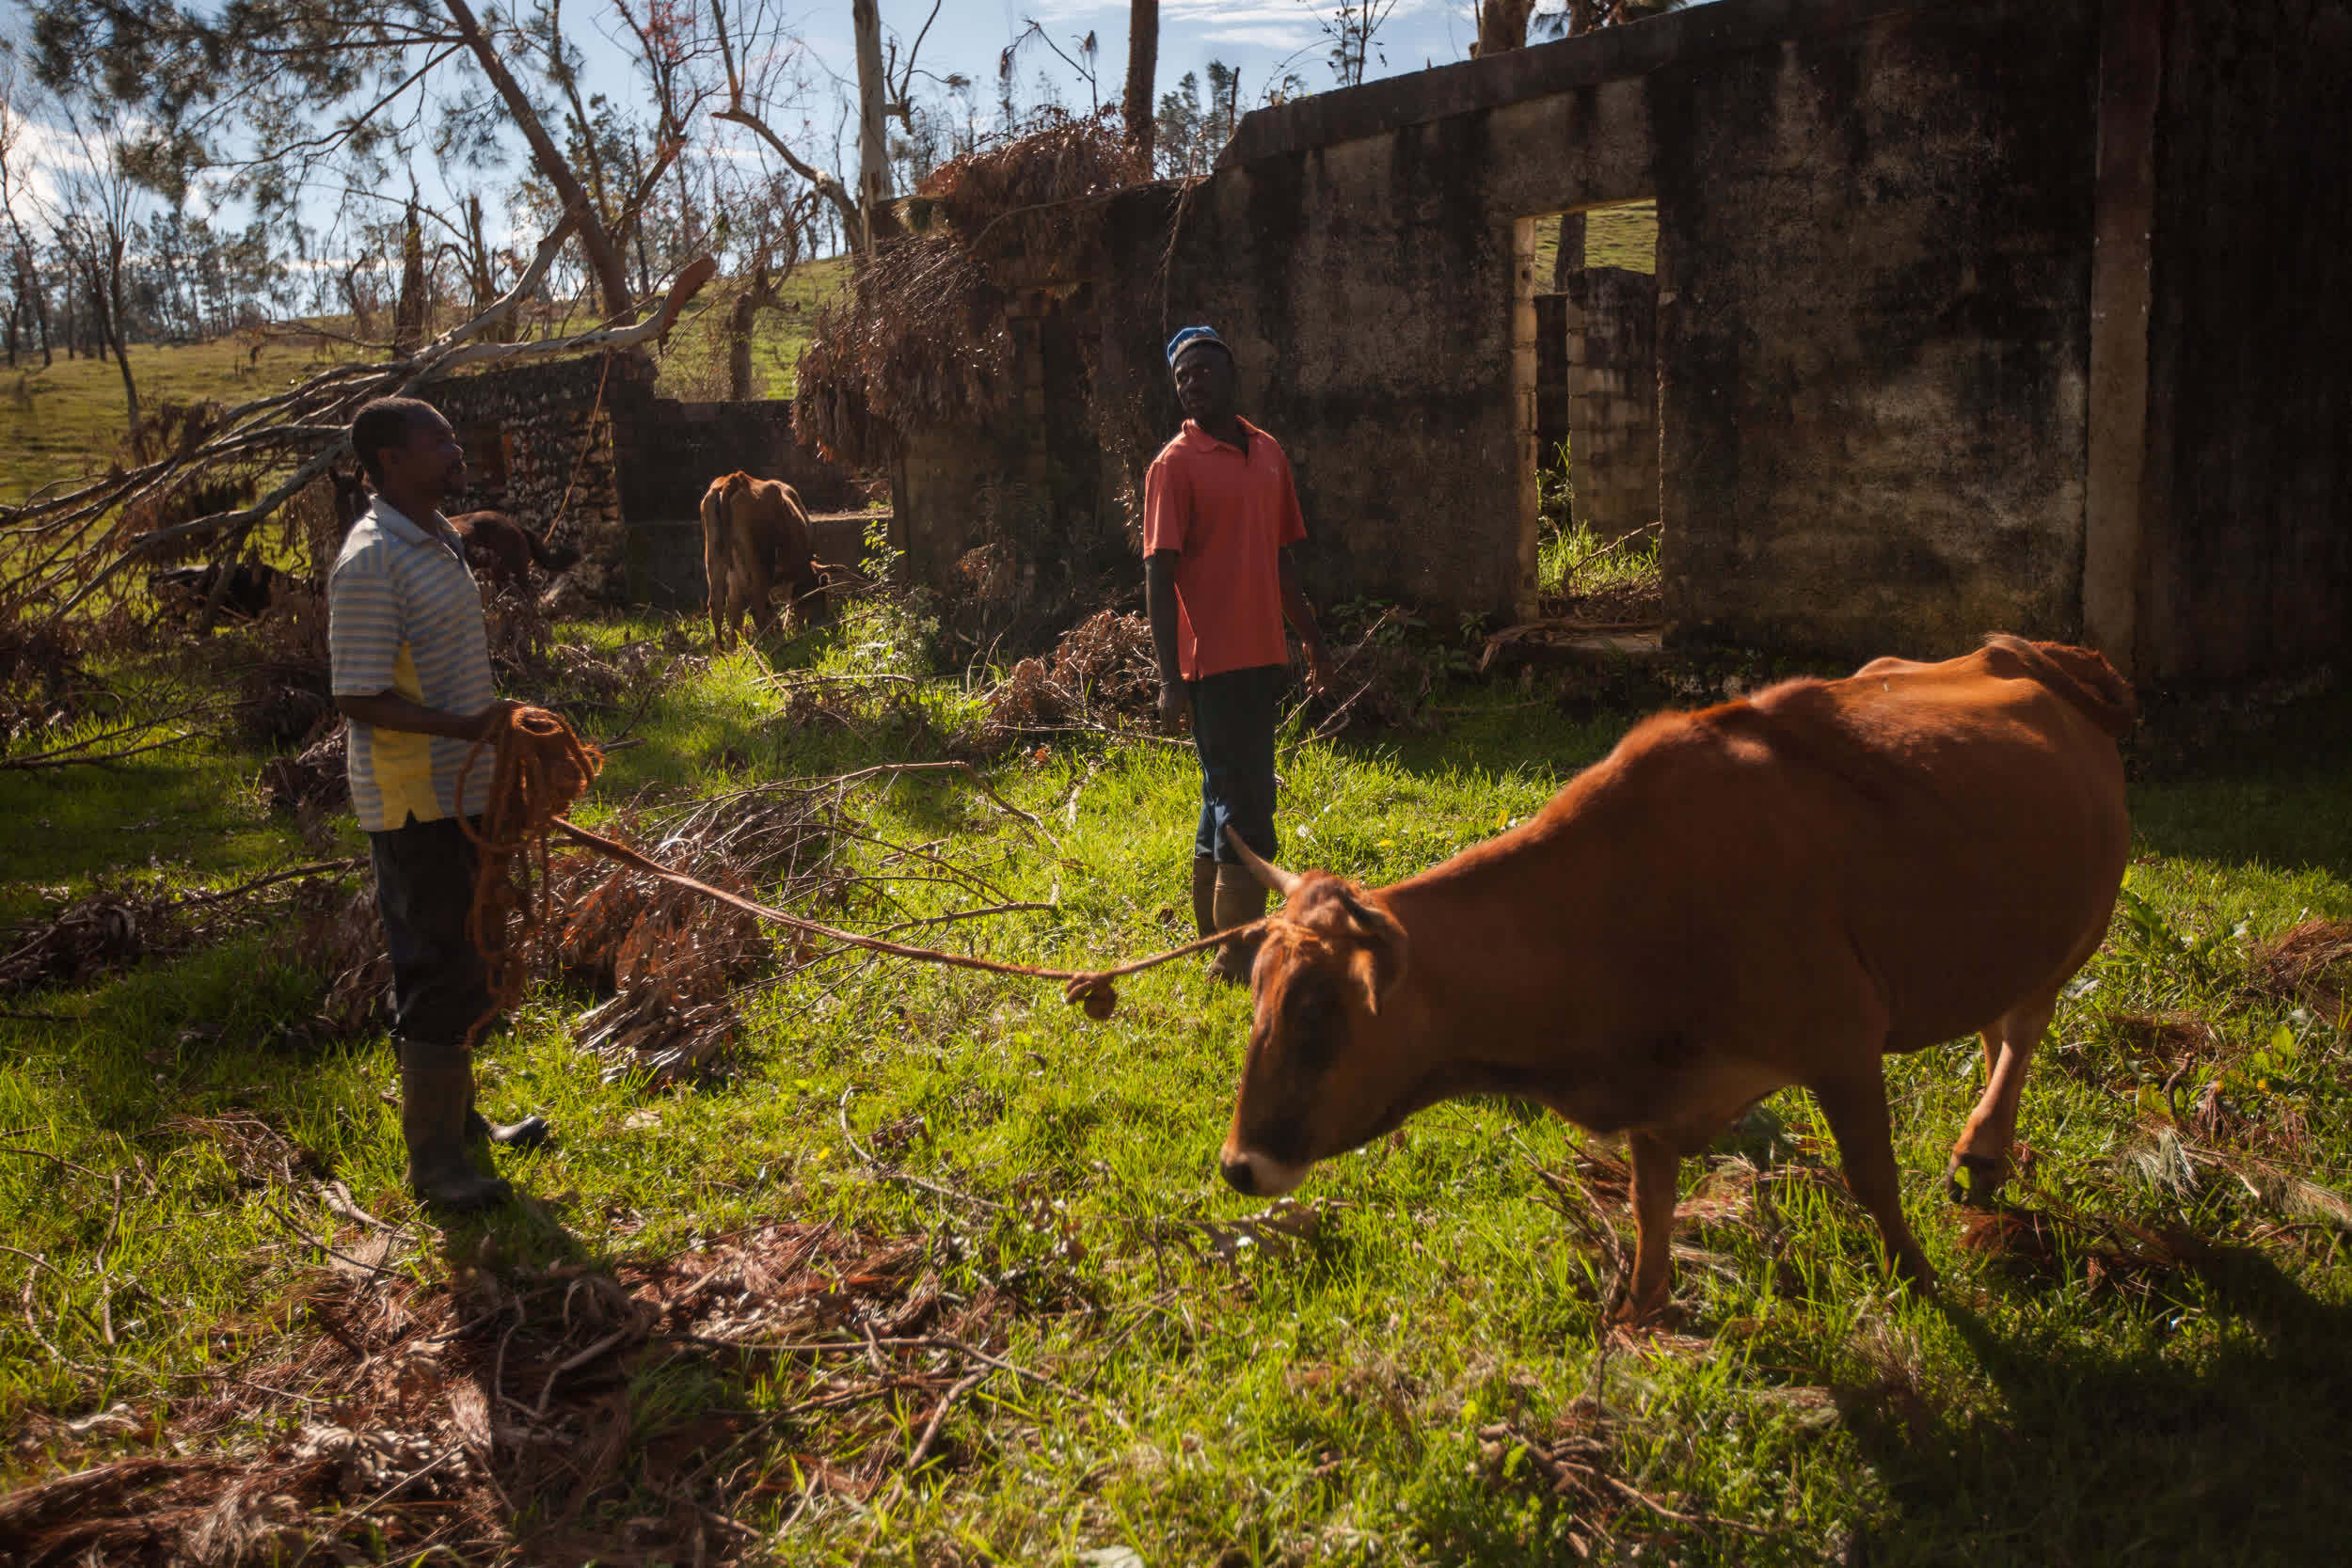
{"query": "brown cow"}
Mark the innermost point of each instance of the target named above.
(1771, 891)
(756, 533)
(502, 551)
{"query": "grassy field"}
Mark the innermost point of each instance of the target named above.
(65, 420)
(998, 1227)
(1624, 234)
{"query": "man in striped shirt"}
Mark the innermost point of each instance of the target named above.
(412, 674)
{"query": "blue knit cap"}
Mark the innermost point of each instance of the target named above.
(1191, 335)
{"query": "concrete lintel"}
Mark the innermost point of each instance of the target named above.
(1612, 54)
(2115, 520)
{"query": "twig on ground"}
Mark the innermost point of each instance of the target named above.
(939, 1415)
(891, 1173)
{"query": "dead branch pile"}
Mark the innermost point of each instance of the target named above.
(668, 958)
(1041, 182)
(2105, 1252)
(922, 340)
(313, 781)
(118, 925)
(2311, 963)
(1103, 671)
(495, 1417)
(40, 675)
(341, 940)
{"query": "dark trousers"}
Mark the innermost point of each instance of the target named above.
(1232, 733)
(425, 873)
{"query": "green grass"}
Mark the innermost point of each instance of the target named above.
(1320, 1401)
(694, 364)
(1623, 234)
(66, 420)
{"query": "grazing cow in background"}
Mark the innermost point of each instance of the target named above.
(184, 589)
(501, 551)
(1771, 891)
(756, 533)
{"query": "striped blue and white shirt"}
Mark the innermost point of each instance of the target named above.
(403, 615)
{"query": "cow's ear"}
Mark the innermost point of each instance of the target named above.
(1378, 963)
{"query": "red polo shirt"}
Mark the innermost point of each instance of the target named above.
(1227, 515)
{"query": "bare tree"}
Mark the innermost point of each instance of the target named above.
(758, 58)
(14, 188)
(1502, 25)
(1352, 26)
(271, 92)
(1143, 58)
(93, 215)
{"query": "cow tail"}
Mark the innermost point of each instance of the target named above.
(2081, 676)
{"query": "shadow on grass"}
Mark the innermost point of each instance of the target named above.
(2235, 1455)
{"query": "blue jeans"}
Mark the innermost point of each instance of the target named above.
(1232, 733)
(425, 873)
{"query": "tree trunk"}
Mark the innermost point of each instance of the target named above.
(873, 141)
(41, 309)
(1143, 59)
(1501, 26)
(596, 241)
(409, 314)
(1570, 256)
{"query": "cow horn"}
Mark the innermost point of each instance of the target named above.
(1273, 875)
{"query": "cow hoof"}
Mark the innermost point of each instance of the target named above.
(1974, 1180)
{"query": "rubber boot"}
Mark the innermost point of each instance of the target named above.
(1204, 893)
(436, 1088)
(1240, 899)
(528, 1134)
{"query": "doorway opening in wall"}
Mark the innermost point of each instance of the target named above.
(1589, 417)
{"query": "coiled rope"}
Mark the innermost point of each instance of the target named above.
(540, 768)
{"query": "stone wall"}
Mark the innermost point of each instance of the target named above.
(1609, 358)
(1874, 247)
(2247, 505)
(1971, 314)
(539, 446)
(581, 448)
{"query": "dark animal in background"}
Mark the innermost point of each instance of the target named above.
(1771, 891)
(501, 551)
(182, 590)
(756, 534)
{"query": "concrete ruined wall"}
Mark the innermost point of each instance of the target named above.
(1874, 250)
(539, 446)
(1971, 314)
(2245, 565)
(1609, 357)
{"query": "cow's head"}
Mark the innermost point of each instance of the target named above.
(1328, 1067)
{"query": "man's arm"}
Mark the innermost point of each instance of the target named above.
(1159, 598)
(1301, 615)
(390, 710)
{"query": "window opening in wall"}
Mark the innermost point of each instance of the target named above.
(1587, 375)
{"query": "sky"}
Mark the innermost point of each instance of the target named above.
(1256, 35)
(1264, 39)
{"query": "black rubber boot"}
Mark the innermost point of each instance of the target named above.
(436, 1088)
(531, 1133)
(1240, 899)
(1204, 893)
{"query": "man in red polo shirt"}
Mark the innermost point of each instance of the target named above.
(1219, 516)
